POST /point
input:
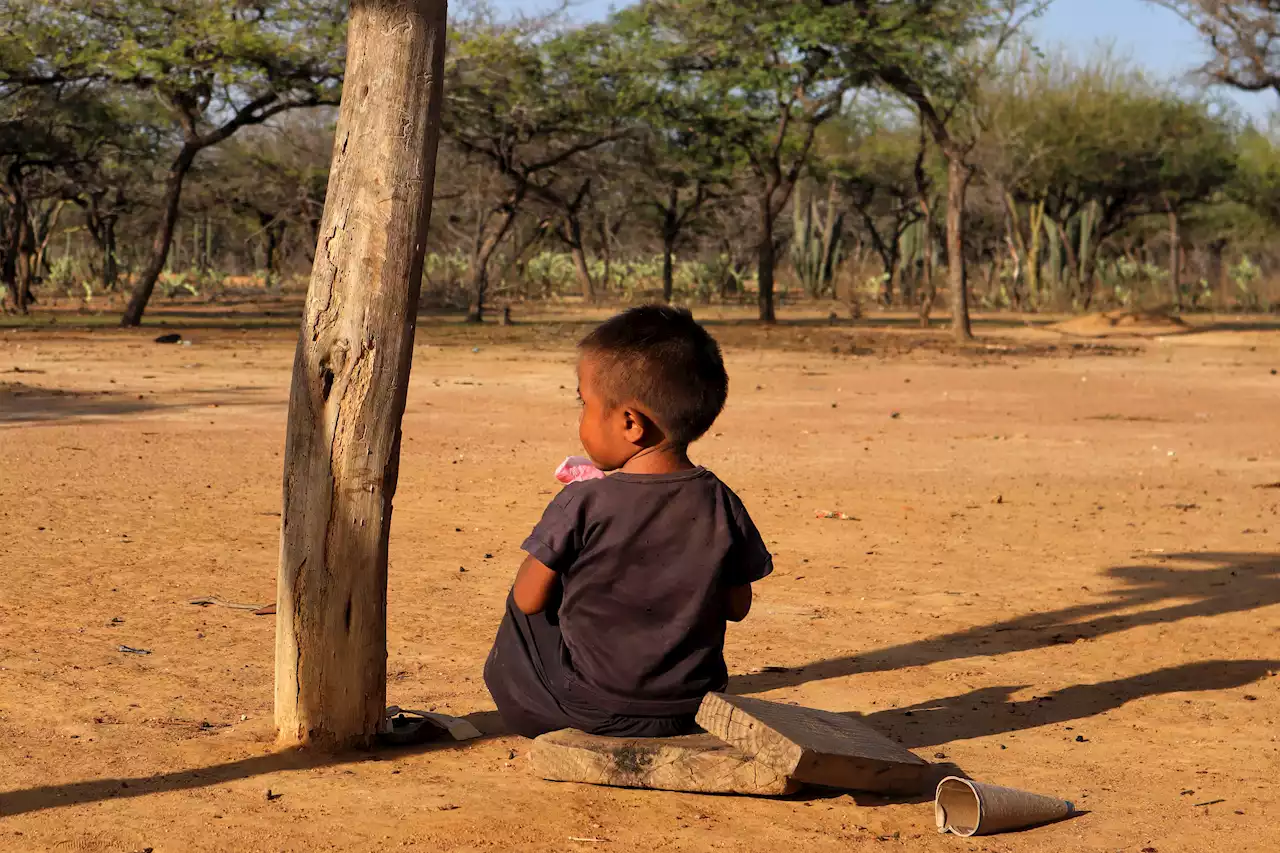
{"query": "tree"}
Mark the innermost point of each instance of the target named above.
(214, 68)
(766, 66)
(47, 137)
(119, 144)
(275, 175)
(1244, 36)
(874, 158)
(1197, 164)
(1099, 145)
(938, 66)
(678, 166)
(350, 377)
(529, 104)
(1256, 181)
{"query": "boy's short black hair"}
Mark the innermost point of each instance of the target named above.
(662, 359)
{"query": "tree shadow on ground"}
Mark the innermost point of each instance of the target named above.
(95, 790)
(1264, 324)
(990, 710)
(1234, 583)
(1216, 584)
(30, 404)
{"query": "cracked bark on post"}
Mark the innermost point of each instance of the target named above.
(350, 375)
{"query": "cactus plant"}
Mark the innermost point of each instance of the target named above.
(816, 249)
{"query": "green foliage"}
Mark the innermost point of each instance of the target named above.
(1245, 275)
(1257, 179)
(178, 283)
(1075, 135)
(201, 57)
(528, 102)
(450, 267)
(684, 124)
(64, 272)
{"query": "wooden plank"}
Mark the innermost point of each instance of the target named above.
(694, 763)
(812, 746)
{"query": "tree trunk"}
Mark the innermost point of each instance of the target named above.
(270, 240)
(23, 267)
(928, 287)
(573, 228)
(957, 280)
(670, 230)
(41, 237)
(479, 287)
(1073, 263)
(1216, 272)
(928, 283)
(110, 268)
(209, 243)
(1088, 268)
(765, 262)
(992, 271)
(668, 265)
(893, 275)
(15, 222)
(1014, 243)
(146, 283)
(479, 284)
(606, 253)
(1175, 258)
(350, 376)
(827, 265)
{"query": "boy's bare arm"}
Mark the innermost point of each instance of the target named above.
(739, 603)
(534, 585)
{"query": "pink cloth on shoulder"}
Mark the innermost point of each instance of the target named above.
(576, 469)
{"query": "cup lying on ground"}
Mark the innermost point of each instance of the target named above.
(965, 807)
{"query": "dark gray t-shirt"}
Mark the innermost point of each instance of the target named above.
(647, 562)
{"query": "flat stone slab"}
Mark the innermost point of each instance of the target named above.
(700, 764)
(818, 747)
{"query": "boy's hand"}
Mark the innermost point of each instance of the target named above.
(739, 603)
(534, 585)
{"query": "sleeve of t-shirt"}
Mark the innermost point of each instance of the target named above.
(555, 541)
(749, 559)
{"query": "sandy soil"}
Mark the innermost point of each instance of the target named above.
(1064, 575)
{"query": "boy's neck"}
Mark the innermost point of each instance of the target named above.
(659, 460)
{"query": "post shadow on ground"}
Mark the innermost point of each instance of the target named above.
(95, 790)
(1217, 583)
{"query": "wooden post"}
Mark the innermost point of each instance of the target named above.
(350, 375)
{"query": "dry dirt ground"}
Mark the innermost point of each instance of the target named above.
(1064, 575)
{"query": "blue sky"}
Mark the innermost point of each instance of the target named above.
(1148, 34)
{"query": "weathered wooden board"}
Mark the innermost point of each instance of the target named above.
(813, 746)
(694, 763)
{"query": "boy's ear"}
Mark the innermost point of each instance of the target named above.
(636, 427)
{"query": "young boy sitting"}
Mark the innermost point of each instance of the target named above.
(616, 622)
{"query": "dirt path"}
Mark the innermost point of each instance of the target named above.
(1062, 575)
